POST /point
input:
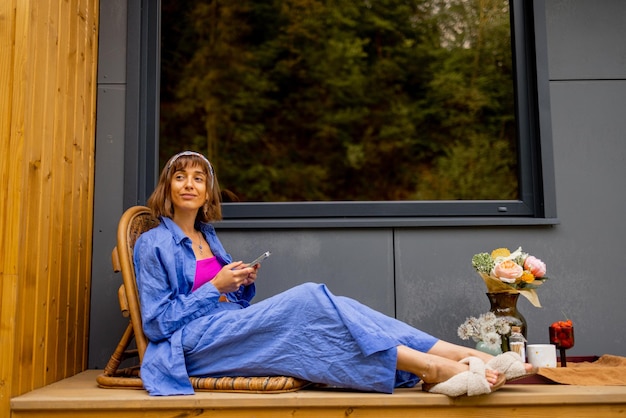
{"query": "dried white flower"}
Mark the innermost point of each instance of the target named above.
(487, 328)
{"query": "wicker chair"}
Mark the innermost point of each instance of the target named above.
(133, 223)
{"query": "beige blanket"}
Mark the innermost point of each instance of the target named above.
(608, 370)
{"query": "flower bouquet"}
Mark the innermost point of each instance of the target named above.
(511, 272)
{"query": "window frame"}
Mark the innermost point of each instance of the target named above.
(537, 205)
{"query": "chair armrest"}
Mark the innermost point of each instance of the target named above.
(121, 296)
(115, 260)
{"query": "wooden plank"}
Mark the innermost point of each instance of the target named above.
(43, 144)
(37, 305)
(565, 411)
(81, 127)
(70, 254)
(10, 183)
(80, 397)
(62, 215)
(84, 157)
(27, 304)
(6, 92)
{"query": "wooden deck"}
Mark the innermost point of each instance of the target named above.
(79, 396)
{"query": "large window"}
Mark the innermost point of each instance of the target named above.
(386, 112)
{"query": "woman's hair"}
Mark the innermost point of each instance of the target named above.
(160, 202)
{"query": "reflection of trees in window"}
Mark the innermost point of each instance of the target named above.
(305, 100)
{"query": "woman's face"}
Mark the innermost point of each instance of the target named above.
(189, 189)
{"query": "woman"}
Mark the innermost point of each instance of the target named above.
(197, 316)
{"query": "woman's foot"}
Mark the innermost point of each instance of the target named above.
(510, 364)
(434, 369)
(508, 361)
(440, 369)
(471, 382)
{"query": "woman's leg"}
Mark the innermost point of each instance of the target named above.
(439, 364)
(457, 352)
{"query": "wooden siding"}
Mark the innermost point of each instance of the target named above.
(48, 60)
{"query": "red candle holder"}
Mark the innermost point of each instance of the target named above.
(562, 336)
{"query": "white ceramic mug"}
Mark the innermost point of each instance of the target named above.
(541, 355)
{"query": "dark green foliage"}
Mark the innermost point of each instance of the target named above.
(302, 100)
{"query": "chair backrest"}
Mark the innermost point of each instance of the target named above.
(135, 221)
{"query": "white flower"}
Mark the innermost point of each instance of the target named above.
(487, 328)
(492, 339)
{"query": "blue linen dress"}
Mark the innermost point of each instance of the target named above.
(305, 332)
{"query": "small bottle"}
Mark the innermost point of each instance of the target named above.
(517, 342)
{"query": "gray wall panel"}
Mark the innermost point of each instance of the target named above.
(437, 288)
(586, 39)
(356, 263)
(107, 323)
(112, 42)
(589, 124)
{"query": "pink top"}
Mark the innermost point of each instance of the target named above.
(206, 270)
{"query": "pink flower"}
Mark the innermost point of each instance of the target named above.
(508, 271)
(535, 266)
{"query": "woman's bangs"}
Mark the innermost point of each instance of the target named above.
(185, 161)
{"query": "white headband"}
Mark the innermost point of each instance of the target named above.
(193, 153)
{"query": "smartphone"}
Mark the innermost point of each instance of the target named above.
(259, 259)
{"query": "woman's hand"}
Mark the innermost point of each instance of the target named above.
(234, 275)
(252, 275)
